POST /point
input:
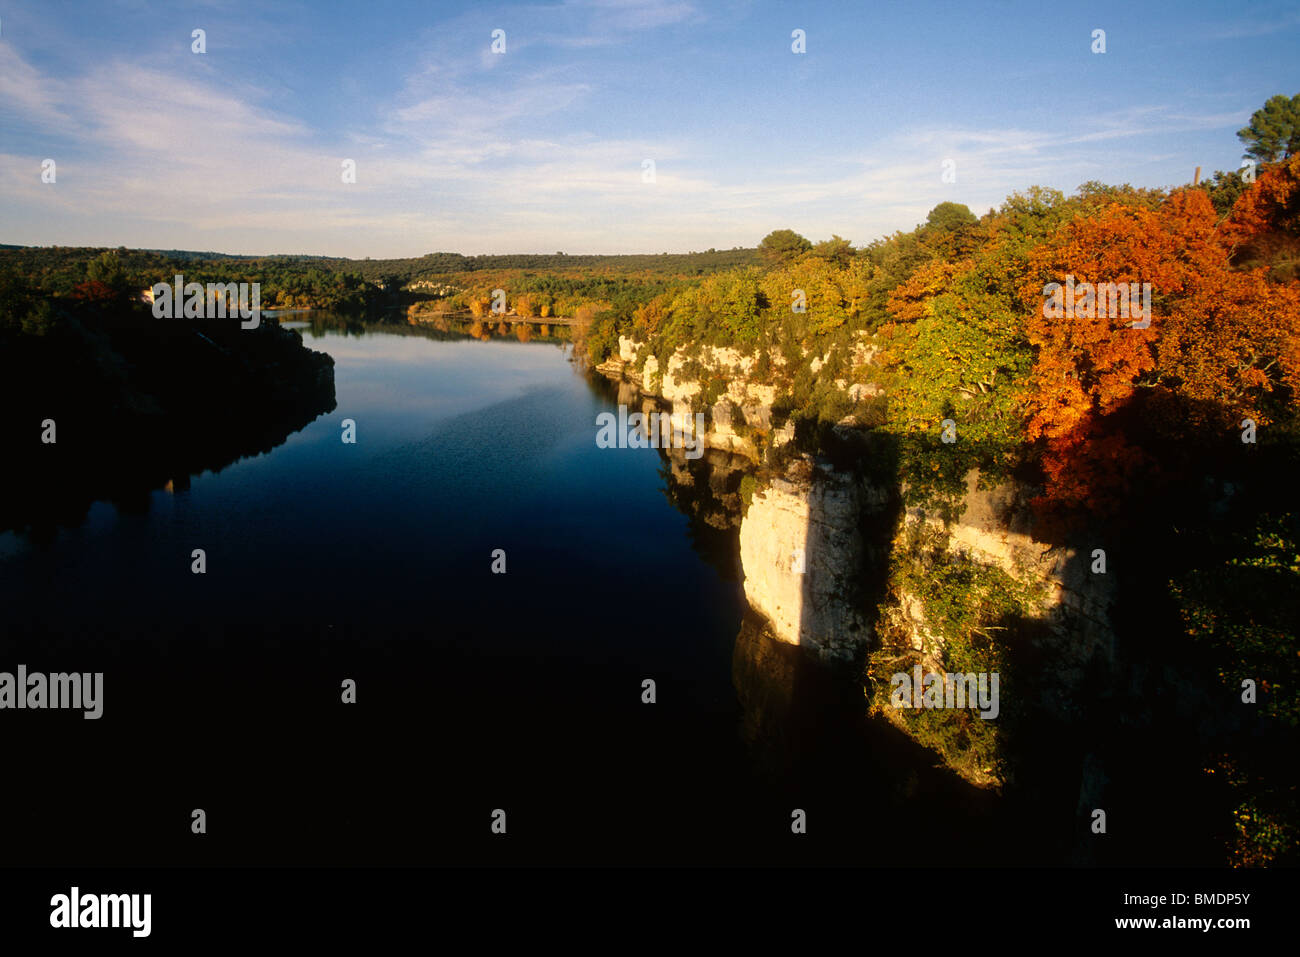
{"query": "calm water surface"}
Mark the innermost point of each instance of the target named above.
(476, 691)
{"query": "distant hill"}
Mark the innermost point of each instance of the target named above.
(57, 258)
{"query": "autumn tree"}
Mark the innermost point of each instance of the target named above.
(1264, 225)
(1089, 358)
(649, 316)
(1231, 345)
(95, 291)
(955, 344)
(830, 296)
(1220, 345)
(1224, 189)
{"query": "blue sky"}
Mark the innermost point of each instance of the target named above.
(539, 149)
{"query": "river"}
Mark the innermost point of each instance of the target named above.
(476, 691)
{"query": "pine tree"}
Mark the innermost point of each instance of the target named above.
(1274, 130)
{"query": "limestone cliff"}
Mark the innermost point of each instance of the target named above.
(734, 417)
(995, 529)
(815, 542)
(800, 541)
(802, 553)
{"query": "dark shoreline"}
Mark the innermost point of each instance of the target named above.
(138, 403)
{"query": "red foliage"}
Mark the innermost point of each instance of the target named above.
(94, 291)
(1220, 339)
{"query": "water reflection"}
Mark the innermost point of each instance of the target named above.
(163, 404)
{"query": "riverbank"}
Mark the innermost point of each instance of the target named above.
(113, 403)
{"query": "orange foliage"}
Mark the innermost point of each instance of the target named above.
(1219, 341)
(909, 299)
(1272, 204)
(1232, 339)
(1089, 468)
(1232, 336)
(1089, 364)
(649, 316)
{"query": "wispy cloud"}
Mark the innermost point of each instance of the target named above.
(541, 148)
(25, 93)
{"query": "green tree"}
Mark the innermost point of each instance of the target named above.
(1274, 130)
(1224, 189)
(950, 217)
(950, 230)
(836, 251)
(108, 270)
(781, 245)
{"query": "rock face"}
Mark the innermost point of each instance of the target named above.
(745, 406)
(807, 556)
(802, 554)
(801, 546)
(805, 548)
(995, 528)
